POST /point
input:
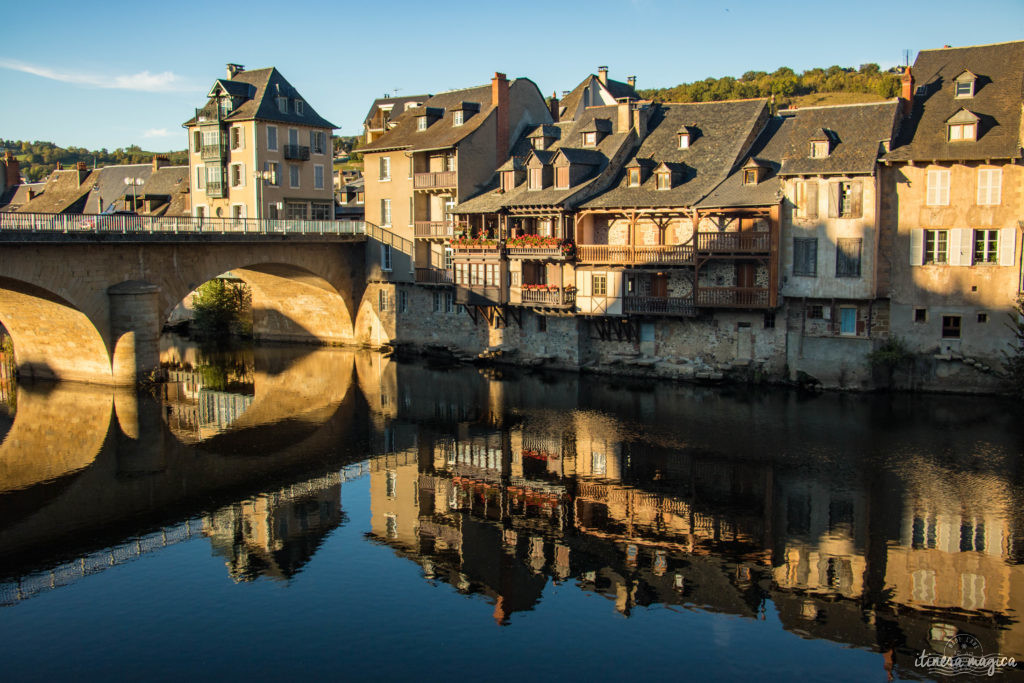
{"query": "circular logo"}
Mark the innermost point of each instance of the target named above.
(962, 645)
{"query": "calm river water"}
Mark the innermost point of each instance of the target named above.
(283, 513)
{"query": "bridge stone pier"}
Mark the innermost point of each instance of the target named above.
(90, 307)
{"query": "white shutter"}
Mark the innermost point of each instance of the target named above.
(933, 188)
(613, 285)
(1007, 246)
(241, 175)
(983, 184)
(916, 247)
(944, 188)
(954, 246)
(961, 245)
(995, 184)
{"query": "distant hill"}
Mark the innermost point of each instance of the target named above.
(834, 85)
(37, 159)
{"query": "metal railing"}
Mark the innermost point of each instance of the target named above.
(541, 297)
(627, 254)
(664, 305)
(738, 297)
(434, 229)
(435, 179)
(434, 276)
(214, 151)
(296, 152)
(126, 224)
(386, 236)
(733, 241)
(214, 189)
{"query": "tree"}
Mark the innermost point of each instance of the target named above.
(221, 309)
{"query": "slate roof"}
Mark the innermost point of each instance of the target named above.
(998, 94)
(110, 187)
(267, 84)
(767, 153)
(442, 132)
(723, 129)
(617, 89)
(398, 102)
(856, 132)
(570, 142)
(14, 197)
(62, 193)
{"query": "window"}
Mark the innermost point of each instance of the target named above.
(562, 177)
(684, 141)
(293, 137)
(819, 149)
(508, 180)
(664, 181)
(845, 199)
(920, 315)
(238, 211)
(412, 210)
(599, 285)
(990, 182)
(983, 318)
(385, 212)
(385, 168)
(590, 139)
(318, 141)
(545, 227)
(750, 176)
(986, 246)
(769, 320)
(321, 211)
(437, 302)
(959, 132)
(848, 257)
(539, 143)
(847, 320)
(382, 301)
(936, 246)
(963, 88)
(457, 118)
(275, 173)
(318, 177)
(197, 141)
(213, 175)
(536, 178)
(805, 198)
(448, 258)
(282, 105)
(950, 327)
(815, 312)
(805, 256)
(271, 138)
(300, 107)
(295, 211)
(634, 177)
(938, 188)
(403, 301)
(449, 302)
(200, 211)
(237, 175)
(542, 324)
(421, 123)
(237, 137)
(293, 175)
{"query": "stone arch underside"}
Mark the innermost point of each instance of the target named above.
(53, 339)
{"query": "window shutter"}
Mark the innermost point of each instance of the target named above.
(856, 195)
(613, 280)
(1007, 246)
(983, 184)
(811, 198)
(955, 253)
(943, 188)
(833, 200)
(916, 247)
(241, 175)
(966, 246)
(583, 283)
(197, 141)
(995, 183)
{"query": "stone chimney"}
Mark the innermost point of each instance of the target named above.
(499, 100)
(632, 81)
(82, 170)
(553, 105)
(58, 167)
(640, 115)
(602, 74)
(159, 161)
(234, 69)
(12, 172)
(907, 92)
(624, 115)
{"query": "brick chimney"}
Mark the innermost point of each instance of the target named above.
(82, 170)
(499, 100)
(640, 117)
(602, 74)
(624, 115)
(159, 161)
(12, 169)
(58, 167)
(907, 92)
(234, 69)
(632, 81)
(553, 105)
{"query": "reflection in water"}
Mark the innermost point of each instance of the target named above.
(887, 523)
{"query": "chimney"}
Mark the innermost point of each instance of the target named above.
(13, 174)
(602, 74)
(58, 167)
(499, 100)
(159, 161)
(234, 69)
(907, 92)
(625, 116)
(641, 114)
(553, 104)
(82, 170)
(632, 81)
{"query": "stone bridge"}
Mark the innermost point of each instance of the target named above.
(85, 297)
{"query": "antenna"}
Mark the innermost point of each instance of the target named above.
(906, 57)
(395, 91)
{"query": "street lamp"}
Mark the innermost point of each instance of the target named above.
(134, 182)
(260, 177)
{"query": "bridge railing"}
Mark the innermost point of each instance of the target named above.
(385, 236)
(127, 224)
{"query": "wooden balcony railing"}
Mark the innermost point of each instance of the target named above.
(732, 297)
(633, 255)
(542, 297)
(433, 276)
(433, 180)
(434, 229)
(296, 152)
(488, 250)
(663, 305)
(745, 242)
(535, 252)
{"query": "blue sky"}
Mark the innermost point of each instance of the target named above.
(110, 74)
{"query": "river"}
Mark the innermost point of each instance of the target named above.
(285, 512)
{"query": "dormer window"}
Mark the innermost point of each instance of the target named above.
(962, 127)
(282, 104)
(508, 180)
(536, 178)
(457, 118)
(538, 143)
(562, 177)
(753, 171)
(225, 105)
(663, 180)
(963, 85)
(590, 139)
(421, 123)
(634, 177)
(684, 141)
(300, 108)
(819, 149)
(750, 176)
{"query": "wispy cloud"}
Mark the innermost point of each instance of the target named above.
(143, 80)
(157, 133)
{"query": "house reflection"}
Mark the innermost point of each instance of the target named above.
(276, 533)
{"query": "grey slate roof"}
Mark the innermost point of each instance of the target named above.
(267, 84)
(999, 91)
(767, 153)
(109, 186)
(442, 132)
(856, 132)
(14, 197)
(723, 129)
(617, 89)
(62, 193)
(398, 102)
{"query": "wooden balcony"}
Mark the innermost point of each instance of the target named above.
(434, 229)
(543, 298)
(433, 276)
(659, 305)
(733, 297)
(734, 242)
(669, 254)
(536, 253)
(434, 180)
(476, 250)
